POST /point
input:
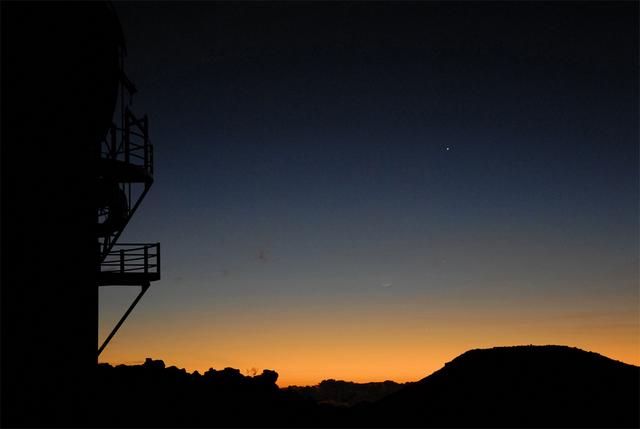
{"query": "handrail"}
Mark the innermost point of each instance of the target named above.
(131, 259)
(125, 258)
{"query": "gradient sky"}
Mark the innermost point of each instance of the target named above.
(365, 191)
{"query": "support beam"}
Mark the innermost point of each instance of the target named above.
(123, 318)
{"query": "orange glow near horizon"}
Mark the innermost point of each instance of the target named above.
(361, 341)
(385, 191)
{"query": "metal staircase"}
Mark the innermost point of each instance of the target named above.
(125, 177)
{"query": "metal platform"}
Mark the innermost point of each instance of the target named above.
(130, 264)
(126, 279)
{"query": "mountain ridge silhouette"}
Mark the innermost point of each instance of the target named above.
(517, 386)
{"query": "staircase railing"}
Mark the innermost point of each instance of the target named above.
(130, 143)
(109, 241)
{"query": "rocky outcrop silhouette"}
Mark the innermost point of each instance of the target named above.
(153, 395)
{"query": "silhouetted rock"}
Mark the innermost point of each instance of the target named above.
(153, 364)
(267, 378)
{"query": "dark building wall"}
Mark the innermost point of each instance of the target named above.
(59, 82)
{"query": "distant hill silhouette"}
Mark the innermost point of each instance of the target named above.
(522, 386)
(347, 393)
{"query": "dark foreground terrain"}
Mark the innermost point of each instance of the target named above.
(346, 393)
(523, 386)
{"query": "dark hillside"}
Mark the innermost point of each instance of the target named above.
(522, 386)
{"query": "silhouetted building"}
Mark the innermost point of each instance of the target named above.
(72, 177)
